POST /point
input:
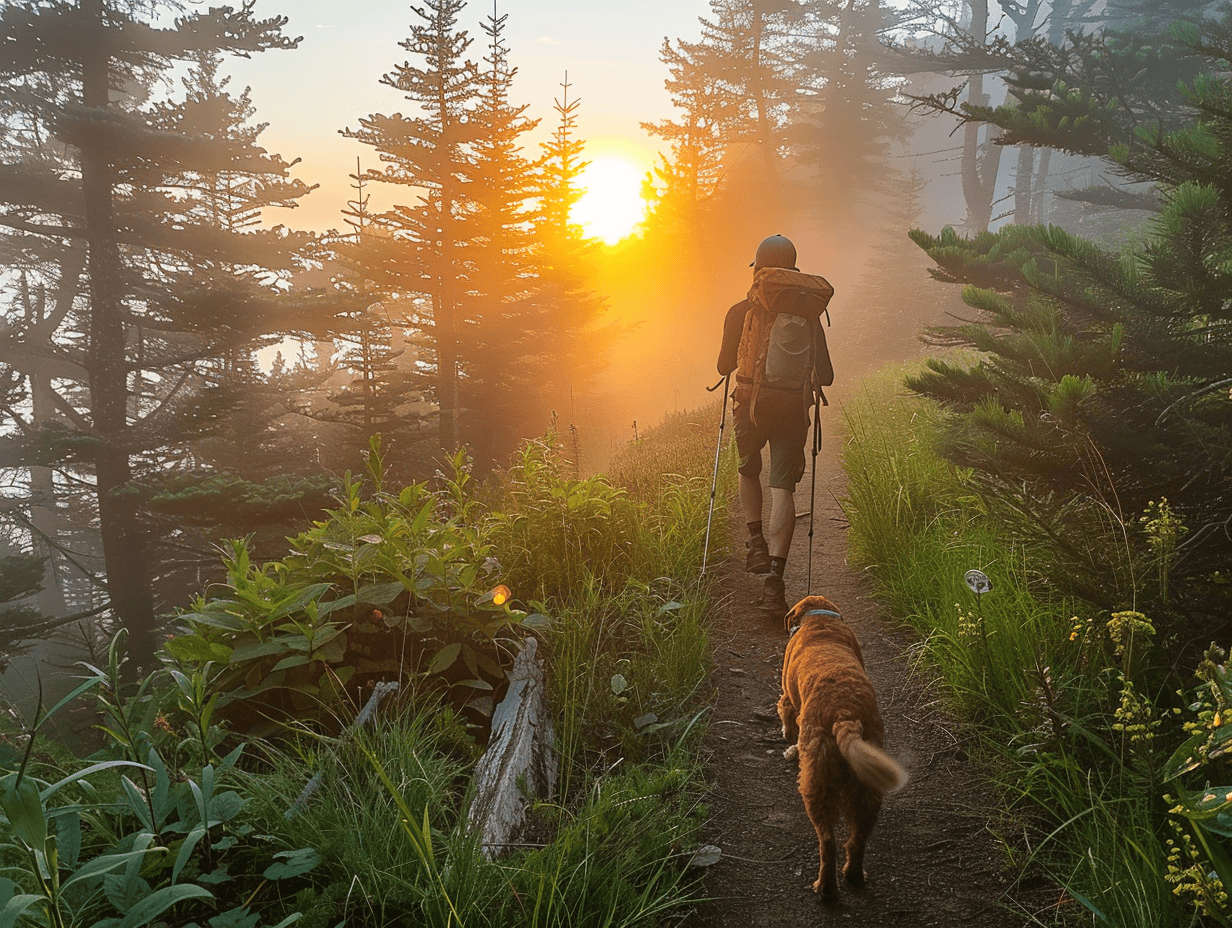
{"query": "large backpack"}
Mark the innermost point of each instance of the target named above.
(783, 345)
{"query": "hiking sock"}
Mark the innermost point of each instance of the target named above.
(778, 565)
(754, 529)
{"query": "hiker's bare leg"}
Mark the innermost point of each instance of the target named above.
(750, 498)
(782, 520)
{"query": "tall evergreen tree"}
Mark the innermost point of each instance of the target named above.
(504, 348)
(577, 348)
(735, 87)
(848, 121)
(141, 326)
(1102, 384)
(431, 152)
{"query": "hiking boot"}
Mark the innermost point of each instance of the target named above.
(757, 560)
(774, 596)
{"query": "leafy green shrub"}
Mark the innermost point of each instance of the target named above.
(385, 586)
(1200, 849)
(123, 841)
(552, 529)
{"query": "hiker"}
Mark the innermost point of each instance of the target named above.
(774, 341)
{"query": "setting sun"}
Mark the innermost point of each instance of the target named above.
(612, 205)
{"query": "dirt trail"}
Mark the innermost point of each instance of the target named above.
(932, 859)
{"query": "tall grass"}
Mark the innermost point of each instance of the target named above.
(1037, 672)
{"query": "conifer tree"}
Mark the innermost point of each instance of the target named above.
(579, 342)
(374, 388)
(735, 87)
(847, 121)
(1104, 376)
(142, 322)
(430, 151)
(504, 349)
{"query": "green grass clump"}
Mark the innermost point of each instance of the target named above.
(1075, 708)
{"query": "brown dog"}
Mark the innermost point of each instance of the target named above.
(829, 713)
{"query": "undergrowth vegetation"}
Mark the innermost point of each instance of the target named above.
(241, 785)
(1114, 760)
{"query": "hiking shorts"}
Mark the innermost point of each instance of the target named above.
(785, 430)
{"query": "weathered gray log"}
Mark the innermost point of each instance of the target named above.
(519, 764)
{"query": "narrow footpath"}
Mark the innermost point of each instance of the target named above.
(934, 858)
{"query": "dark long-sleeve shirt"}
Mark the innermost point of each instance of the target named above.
(733, 326)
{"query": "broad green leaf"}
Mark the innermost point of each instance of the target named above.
(1218, 824)
(137, 803)
(159, 902)
(295, 660)
(1185, 758)
(279, 645)
(491, 668)
(299, 600)
(195, 649)
(102, 864)
(125, 890)
(421, 517)
(293, 863)
(324, 609)
(76, 691)
(444, 658)
(14, 908)
(68, 837)
(21, 803)
(239, 917)
(226, 806)
(85, 772)
(1208, 801)
(186, 848)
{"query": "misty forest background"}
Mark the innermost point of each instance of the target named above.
(179, 365)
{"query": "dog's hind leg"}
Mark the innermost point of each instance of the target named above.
(863, 807)
(791, 730)
(823, 813)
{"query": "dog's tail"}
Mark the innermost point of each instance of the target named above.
(873, 766)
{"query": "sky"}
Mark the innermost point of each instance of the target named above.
(609, 50)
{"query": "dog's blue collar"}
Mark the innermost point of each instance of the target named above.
(823, 612)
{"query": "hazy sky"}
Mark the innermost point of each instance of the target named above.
(609, 49)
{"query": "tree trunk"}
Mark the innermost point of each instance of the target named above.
(125, 547)
(766, 135)
(1039, 207)
(980, 159)
(1024, 174)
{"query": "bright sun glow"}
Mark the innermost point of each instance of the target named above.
(612, 205)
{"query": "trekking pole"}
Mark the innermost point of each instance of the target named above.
(813, 490)
(714, 482)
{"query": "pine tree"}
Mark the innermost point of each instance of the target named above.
(504, 349)
(735, 88)
(373, 387)
(142, 322)
(431, 152)
(1104, 376)
(577, 347)
(848, 120)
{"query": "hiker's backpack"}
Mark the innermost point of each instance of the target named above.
(783, 345)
